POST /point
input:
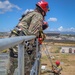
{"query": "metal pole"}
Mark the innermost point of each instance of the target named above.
(20, 59)
(36, 56)
(39, 60)
(13, 41)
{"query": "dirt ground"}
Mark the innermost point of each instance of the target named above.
(67, 61)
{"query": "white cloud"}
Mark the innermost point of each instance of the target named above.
(28, 10)
(72, 29)
(52, 19)
(60, 28)
(7, 6)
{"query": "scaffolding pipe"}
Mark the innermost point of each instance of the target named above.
(6, 43)
(13, 41)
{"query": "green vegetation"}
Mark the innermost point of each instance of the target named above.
(55, 49)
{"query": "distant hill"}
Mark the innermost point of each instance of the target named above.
(47, 32)
(58, 32)
(70, 33)
(4, 33)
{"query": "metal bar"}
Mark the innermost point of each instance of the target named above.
(34, 70)
(11, 42)
(36, 56)
(20, 59)
(39, 62)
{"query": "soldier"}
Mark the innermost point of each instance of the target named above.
(56, 69)
(30, 24)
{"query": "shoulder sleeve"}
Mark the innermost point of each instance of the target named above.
(36, 23)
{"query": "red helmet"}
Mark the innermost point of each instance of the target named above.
(57, 62)
(44, 5)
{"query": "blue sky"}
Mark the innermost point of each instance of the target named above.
(61, 16)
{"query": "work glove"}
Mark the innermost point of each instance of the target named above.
(45, 25)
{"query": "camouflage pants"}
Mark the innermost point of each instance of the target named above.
(29, 59)
(12, 65)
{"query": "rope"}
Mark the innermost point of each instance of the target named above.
(48, 54)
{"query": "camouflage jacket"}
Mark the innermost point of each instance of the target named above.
(31, 24)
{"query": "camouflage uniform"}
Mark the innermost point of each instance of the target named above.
(58, 68)
(31, 24)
